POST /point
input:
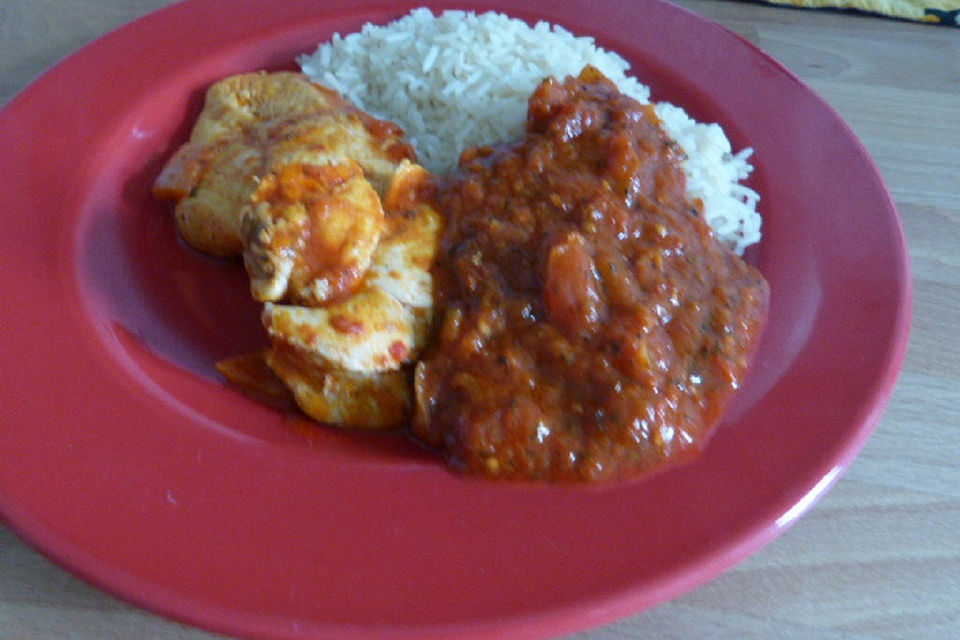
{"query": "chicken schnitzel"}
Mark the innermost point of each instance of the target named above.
(329, 214)
(253, 123)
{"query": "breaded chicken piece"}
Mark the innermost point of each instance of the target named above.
(289, 174)
(345, 360)
(251, 123)
(361, 400)
(310, 232)
(386, 320)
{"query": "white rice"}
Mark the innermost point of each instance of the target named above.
(460, 79)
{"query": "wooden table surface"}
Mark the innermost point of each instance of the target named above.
(879, 556)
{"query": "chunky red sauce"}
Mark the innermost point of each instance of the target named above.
(589, 323)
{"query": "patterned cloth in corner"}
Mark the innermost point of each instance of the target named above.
(946, 12)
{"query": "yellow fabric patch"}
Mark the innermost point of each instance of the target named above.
(934, 11)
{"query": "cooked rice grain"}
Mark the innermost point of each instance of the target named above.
(459, 80)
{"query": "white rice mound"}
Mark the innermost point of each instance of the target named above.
(461, 80)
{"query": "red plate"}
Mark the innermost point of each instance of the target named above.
(127, 460)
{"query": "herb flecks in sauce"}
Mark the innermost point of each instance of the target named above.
(589, 324)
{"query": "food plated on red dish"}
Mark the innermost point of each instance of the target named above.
(226, 495)
(565, 302)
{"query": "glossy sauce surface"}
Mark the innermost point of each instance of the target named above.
(589, 324)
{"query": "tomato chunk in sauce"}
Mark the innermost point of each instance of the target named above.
(589, 323)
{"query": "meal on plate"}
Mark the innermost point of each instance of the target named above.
(566, 302)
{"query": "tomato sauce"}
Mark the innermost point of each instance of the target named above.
(589, 323)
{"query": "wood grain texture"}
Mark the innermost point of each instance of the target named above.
(879, 556)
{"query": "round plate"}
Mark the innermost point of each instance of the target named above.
(129, 461)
